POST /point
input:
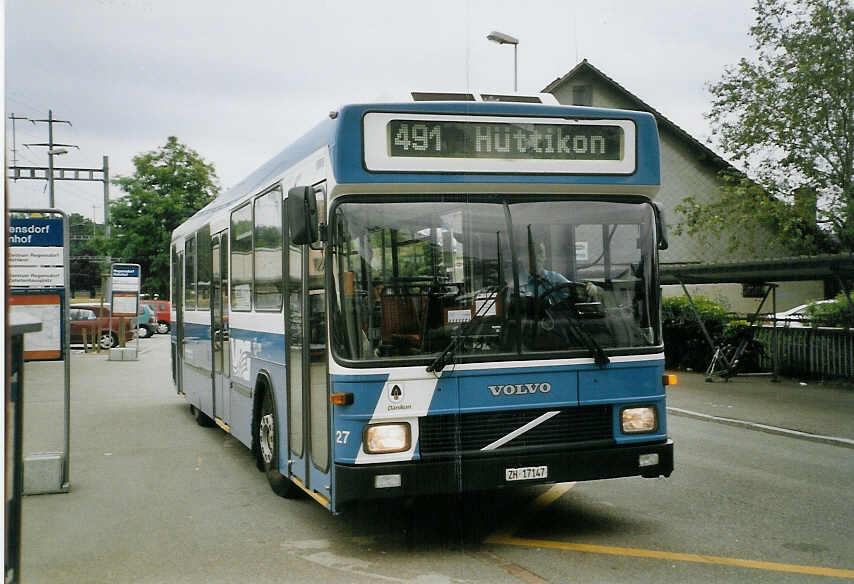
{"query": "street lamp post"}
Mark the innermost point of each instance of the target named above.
(506, 39)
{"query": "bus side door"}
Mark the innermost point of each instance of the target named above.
(307, 363)
(219, 326)
(177, 333)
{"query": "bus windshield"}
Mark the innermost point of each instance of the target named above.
(493, 277)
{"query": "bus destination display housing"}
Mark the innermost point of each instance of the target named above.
(412, 143)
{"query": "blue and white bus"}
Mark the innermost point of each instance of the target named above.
(446, 295)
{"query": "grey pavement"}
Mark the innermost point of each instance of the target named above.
(808, 409)
(154, 498)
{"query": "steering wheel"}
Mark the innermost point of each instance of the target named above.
(549, 290)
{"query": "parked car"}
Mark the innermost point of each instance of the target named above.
(91, 318)
(161, 310)
(796, 317)
(147, 322)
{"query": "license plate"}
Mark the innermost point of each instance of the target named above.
(526, 473)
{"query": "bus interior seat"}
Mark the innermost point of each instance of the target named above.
(402, 314)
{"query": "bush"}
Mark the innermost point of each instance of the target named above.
(836, 313)
(685, 346)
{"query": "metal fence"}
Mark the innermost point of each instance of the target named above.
(813, 352)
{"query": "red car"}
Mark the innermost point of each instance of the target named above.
(161, 310)
(91, 317)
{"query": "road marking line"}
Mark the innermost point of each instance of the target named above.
(504, 536)
(671, 556)
(544, 500)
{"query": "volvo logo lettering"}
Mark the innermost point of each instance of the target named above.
(520, 388)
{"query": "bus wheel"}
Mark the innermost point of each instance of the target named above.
(268, 449)
(202, 419)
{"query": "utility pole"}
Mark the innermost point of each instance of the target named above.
(106, 171)
(13, 117)
(50, 173)
(51, 150)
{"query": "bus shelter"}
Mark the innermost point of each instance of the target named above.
(763, 276)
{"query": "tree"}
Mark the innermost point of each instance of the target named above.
(787, 117)
(170, 184)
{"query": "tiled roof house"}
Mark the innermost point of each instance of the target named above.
(688, 168)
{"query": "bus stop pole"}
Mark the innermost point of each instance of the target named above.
(66, 463)
(775, 377)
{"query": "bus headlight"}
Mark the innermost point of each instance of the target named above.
(635, 420)
(386, 438)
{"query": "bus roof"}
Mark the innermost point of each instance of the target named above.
(342, 133)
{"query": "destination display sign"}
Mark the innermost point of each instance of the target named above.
(448, 139)
(410, 142)
(36, 252)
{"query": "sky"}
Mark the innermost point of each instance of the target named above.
(239, 81)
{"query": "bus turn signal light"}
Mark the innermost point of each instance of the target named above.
(341, 398)
(668, 380)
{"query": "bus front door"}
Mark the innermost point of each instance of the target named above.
(307, 362)
(295, 334)
(219, 328)
(178, 325)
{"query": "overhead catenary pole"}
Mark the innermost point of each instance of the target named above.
(13, 117)
(51, 150)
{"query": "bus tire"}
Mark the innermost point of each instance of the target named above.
(268, 449)
(202, 419)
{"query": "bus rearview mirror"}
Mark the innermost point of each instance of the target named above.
(302, 215)
(660, 224)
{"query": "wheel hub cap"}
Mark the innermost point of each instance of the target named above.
(267, 435)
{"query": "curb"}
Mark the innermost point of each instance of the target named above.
(835, 441)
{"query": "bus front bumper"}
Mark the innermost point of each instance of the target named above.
(420, 477)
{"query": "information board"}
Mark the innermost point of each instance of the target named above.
(125, 281)
(46, 308)
(38, 279)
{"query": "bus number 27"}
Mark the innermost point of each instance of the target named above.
(419, 138)
(341, 436)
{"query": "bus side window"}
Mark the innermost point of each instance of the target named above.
(241, 258)
(267, 251)
(190, 273)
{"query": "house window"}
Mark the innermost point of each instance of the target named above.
(582, 95)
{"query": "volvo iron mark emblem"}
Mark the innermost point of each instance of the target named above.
(520, 388)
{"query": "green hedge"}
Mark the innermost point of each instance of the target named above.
(836, 313)
(685, 346)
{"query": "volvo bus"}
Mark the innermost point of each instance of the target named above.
(452, 294)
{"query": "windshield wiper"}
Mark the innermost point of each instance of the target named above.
(582, 334)
(445, 356)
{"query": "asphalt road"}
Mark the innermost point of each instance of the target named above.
(156, 498)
